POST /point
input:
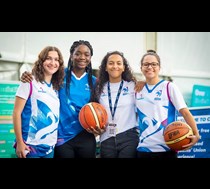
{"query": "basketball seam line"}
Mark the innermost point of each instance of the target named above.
(94, 114)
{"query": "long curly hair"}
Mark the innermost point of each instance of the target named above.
(103, 75)
(38, 69)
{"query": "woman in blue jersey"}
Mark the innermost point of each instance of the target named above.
(36, 109)
(116, 93)
(79, 89)
(156, 104)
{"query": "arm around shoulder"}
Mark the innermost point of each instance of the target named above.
(26, 77)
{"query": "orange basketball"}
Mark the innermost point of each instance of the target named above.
(176, 133)
(93, 115)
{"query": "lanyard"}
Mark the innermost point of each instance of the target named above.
(117, 98)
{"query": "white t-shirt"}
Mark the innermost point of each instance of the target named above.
(125, 114)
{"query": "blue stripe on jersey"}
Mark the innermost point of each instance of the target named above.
(46, 118)
(26, 115)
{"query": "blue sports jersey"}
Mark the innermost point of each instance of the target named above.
(69, 125)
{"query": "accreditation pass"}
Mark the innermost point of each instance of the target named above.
(112, 129)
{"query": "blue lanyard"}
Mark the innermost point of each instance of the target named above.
(117, 98)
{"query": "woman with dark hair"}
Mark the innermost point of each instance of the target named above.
(36, 110)
(115, 92)
(73, 140)
(156, 105)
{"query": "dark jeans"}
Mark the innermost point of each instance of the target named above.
(168, 154)
(122, 146)
(81, 146)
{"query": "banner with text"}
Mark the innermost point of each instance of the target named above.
(202, 148)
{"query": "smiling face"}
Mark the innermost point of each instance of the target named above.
(150, 68)
(115, 68)
(51, 63)
(81, 57)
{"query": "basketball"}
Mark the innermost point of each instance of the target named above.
(175, 135)
(93, 115)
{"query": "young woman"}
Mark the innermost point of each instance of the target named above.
(116, 93)
(156, 104)
(36, 109)
(73, 140)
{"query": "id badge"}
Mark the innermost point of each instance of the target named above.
(112, 129)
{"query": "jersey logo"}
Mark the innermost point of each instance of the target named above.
(158, 95)
(125, 90)
(41, 90)
(87, 87)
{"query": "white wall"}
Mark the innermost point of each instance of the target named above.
(184, 57)
(25, 46)
(185, 53)
(12, 46)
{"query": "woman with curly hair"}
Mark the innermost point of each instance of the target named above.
(36, 110)
(116, 93)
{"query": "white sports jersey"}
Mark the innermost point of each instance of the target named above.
(155, 112)
(40, 117)
(125, 115)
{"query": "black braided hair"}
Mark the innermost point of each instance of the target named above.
(88, 69)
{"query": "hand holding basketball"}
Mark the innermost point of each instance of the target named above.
(175, 135)
(97, 130)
